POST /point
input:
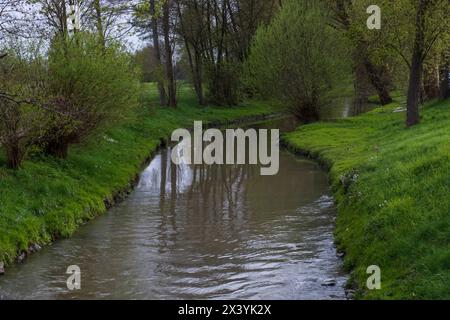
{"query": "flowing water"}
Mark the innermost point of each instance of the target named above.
(199, 232)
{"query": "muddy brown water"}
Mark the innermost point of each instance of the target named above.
(200, 232)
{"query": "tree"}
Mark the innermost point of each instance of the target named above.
(413, 31)
(298, 58)
(157, 53)
(170, 76)
(90, 85)
(350, 17)
(156, 17)
(421, 48)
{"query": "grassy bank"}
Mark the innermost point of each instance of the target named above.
(50, 198)
(392, 186)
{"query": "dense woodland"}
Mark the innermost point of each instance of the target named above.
(66, 69)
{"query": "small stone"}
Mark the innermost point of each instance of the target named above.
(34, 248)
(350, 294)
(329, 283)
(2, 268)
(21, 257)
(340, 254)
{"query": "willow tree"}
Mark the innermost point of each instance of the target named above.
(298, 58)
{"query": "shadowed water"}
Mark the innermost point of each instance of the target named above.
(199, 232)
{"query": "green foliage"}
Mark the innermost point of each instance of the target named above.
(392, 188)
(393, 44)
(89, 85)
(298, 58)
(21, 122)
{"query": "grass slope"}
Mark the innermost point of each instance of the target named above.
(392, 186)
(50, 198)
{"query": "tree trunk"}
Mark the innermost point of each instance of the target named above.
(157, 52)
(415, 78)
(196, 73)
(360, 84)
(444, 81)
(169, 55)
(199, 78)
(194, 56)
(59, 146)
(376, 75)
(431, 83)
(63, 19)
(98, 14)
(14, 154)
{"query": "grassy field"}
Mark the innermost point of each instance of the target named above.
(49, 198)
(392, 186)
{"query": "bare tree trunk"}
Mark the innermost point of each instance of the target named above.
(169, 55)
(376, 75)
(199, 76)
(360, 84)
(98, 16)
(415, 78)
(157, 52)
(444, 81)
(63, 17)
(196, 73)
(431, 83)
(14, 154)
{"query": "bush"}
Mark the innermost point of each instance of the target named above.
(89, 86)
(298, 58)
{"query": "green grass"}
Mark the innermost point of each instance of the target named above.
(49, 198)
(392, 186)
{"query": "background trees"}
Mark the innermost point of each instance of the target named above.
(413, 41)
(212, 35)
(295, 52)
(56, 92)
(216, 35)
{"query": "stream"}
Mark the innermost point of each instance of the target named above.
(200, 232)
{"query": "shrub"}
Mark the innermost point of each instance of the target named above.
(298, 58)
(89, 86)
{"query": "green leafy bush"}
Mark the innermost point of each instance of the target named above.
(89, 86)
(298, 58)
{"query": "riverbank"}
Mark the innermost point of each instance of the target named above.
(392, 187)
(50, 198)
